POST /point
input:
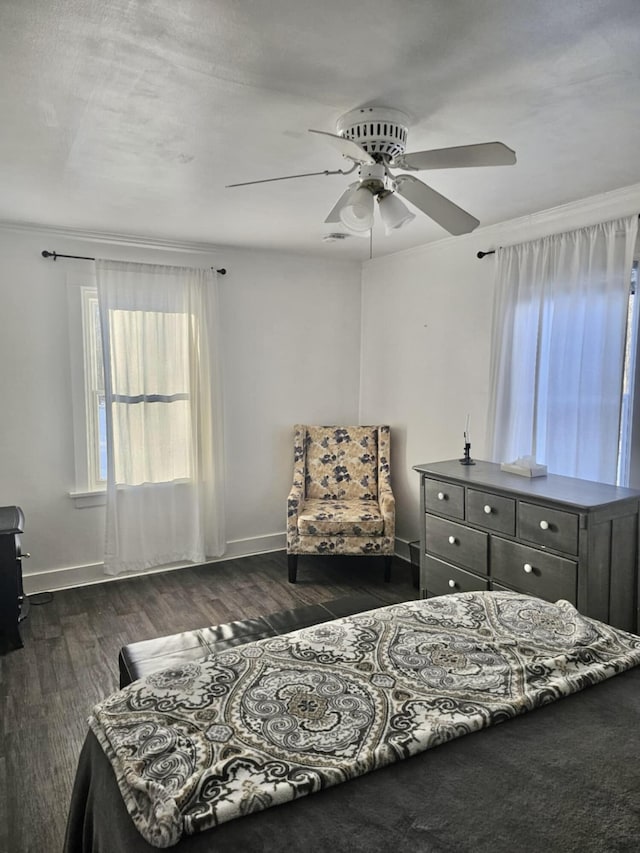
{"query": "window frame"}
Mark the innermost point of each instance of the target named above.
(89, 490)
(629, 456)
(86, 368)
(93, 387)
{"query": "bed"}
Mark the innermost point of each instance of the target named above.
(562, 777)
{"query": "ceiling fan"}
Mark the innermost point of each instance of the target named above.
(374, 139)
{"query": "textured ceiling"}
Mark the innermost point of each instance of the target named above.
(130, 117)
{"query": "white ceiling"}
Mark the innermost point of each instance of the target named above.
(131, 116)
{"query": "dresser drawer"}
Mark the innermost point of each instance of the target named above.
(551, 528)
(444, 498)
(491, 511)
(532, 571)
(456, 543)
(442, 578)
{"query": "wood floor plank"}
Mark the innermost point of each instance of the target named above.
(70, 662)
(4, 798)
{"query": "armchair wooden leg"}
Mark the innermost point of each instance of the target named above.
(387, 569)
(293, 567)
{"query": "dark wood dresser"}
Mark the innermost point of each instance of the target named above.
(553, 537)
(14, 605)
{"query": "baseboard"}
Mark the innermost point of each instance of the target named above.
(65, 578)
(255, 545)
(51, 580)
(73, 576)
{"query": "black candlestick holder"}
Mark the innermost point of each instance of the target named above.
(466, 459)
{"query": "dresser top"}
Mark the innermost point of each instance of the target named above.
(569, 490)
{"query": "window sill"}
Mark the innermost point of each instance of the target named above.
(86, 499)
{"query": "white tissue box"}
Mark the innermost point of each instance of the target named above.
(524, 470)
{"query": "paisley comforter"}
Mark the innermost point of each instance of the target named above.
(274, 720)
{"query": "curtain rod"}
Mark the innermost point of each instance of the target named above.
(55, 256)
(482, 255)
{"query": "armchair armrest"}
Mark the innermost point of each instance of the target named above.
(388, 511)
(385, 495)
(296, 494)
(295, 498)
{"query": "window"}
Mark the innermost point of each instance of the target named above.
(565, 404)
(561, 310)
(562, 403)
(152, 430)
(157, 425)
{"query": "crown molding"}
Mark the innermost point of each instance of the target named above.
(587, 211)
(624, 201)
(109, 238)
(609, 205)
(214, 251)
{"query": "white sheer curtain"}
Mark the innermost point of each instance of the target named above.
(165, 501)
(558, 347)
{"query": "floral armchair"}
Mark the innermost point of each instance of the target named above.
(341, 500)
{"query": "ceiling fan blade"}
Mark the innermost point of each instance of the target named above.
(347, 147)
(483, 154)
(452, 218)
(334, 215)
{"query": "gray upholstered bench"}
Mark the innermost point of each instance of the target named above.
(139, 659)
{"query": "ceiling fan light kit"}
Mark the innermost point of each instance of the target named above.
(374, 139)
(357, 213)
(393, 212)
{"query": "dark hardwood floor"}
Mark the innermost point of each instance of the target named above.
(70, 661)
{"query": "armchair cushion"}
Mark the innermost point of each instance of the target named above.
(341, 463)
(321, 517)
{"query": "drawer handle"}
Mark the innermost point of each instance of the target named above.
(441, 496)
(487, 509)
(544, 525)
(452, 583)
(452, 540)
(528, 568)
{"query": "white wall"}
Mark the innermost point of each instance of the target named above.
(291, 349)
(426, 339)
(292, 355)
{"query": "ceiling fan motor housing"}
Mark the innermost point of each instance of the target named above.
(379, 130)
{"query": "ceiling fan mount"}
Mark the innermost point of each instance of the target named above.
(381, 131)
(374, 140)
